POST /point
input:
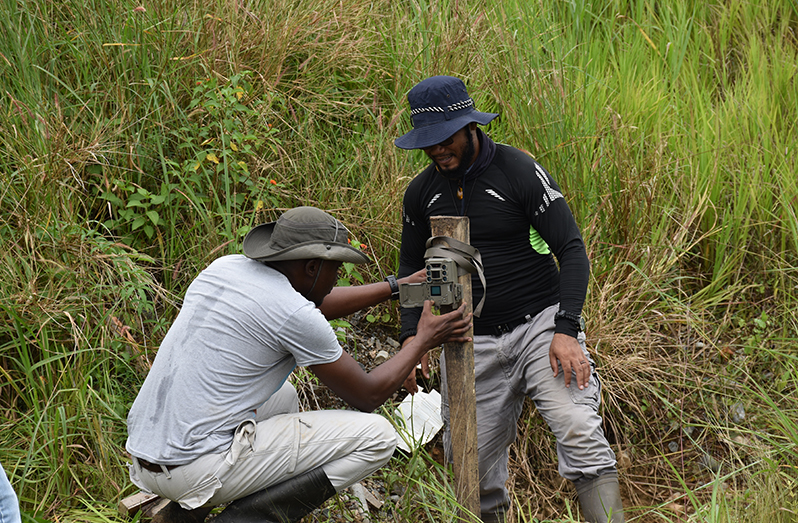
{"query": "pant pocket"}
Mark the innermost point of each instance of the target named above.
(243, 441)
(590, 395)
(200, 493)
(191, 485)
(300, 427)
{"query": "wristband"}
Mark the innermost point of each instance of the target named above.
(391, 279)
(576, 319)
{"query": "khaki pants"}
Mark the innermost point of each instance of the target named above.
(278, 444)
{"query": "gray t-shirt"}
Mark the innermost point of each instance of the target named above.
(240, 333)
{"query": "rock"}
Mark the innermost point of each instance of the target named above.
(624, 461)
(381, 357)
(737, 412)
(676, 508)
(710, 463)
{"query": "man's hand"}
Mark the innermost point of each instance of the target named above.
(410, 383)
(433, 331)
(451, 327)
(568, 352)
(420, 276)
(367, 391)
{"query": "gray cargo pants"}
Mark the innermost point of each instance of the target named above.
(510, 368)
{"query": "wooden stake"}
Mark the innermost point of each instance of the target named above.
(461, 389)
(148, 504)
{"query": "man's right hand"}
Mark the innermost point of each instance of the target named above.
(433, 331)
(367, 391)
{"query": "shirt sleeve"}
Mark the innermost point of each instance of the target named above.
(551, 217)
(415, 232)
(308, 336)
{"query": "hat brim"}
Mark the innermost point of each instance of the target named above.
(427, 136)
(256, 246)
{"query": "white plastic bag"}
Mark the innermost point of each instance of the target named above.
(419, 419)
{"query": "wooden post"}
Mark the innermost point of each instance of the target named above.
(461, 389)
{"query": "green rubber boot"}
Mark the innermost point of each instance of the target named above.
(600, 499)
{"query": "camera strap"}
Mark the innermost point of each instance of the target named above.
(464, 255)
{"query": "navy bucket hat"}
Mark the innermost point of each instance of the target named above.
(439, 107)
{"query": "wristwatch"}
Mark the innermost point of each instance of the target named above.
(391, 279)
(576, 319)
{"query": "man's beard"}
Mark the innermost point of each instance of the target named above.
(465, 161)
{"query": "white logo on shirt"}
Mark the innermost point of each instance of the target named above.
(494, 194)
(433, 200)
(550, 195)
(407, 217)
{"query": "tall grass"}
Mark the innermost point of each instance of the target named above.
(140, 144)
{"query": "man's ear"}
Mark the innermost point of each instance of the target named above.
(311, 267)
(472, 126)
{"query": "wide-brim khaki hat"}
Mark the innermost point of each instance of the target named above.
(302, 233)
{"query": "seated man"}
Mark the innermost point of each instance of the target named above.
(216, 419)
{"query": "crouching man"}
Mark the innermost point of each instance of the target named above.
(216, 419)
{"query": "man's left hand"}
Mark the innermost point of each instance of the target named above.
(419, 276)
(567, 351)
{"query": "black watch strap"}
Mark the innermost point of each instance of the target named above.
(576, 319)
(391, 279)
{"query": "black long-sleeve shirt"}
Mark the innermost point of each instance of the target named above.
(512, 204)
